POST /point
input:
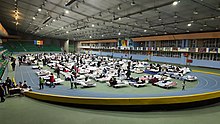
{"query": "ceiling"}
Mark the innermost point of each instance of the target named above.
(107, 19)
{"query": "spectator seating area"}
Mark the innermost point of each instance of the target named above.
(24, 46)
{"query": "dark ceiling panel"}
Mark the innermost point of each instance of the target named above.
(103, 19)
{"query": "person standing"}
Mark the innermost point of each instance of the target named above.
(41, 83)
(13, 65)
(128, 74)
(184, 84)
(2, 93)
(52, 80)
(119, 72)
(58, 72)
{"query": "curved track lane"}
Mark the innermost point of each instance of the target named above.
(206, 83)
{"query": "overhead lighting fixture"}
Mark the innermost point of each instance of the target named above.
(119, 7)
(39, 9)
(201, 29)
(189, 24)
(67, 11)
(195, 12)
(100, 14)
(46, 25)
(145, 30)
(103, 35)
(205, 24)
(146, 20)
(54, 20)
(176, 2)
(175, 15)
(119, 18)
(90, 36)
(133, 3)
(34, 18)
(218, 7)
(69, 2)
(77, 6)
(159, 18)
(119, 33)
(93, 25)
(67, 32)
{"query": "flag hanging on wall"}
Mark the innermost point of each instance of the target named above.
(125, 42)
(38, 42)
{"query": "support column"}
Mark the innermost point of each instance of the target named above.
(66, 45)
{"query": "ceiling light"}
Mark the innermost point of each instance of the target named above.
(54, 20)
(218, 7)
(102, 35)
(146, 21)
(67, 32)
(39, 9)
(16, 23)
(195, 12)
(119, 33)
(201, 29)
(189, 24)
(187, 30)
(93, 25)
(119, 18)
(77, 6)
(66, 11)
(175, 15)
(119, 7)
(133, 3)
(205, 24)
(34, 18)
(46, 25)
(176, 2)
(159, 18)
(90, 36)
(145, 30)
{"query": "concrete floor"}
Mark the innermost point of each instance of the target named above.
(22, 110)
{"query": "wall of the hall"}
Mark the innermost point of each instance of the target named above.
(181, 60)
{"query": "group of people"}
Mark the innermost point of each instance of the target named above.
(8, 85)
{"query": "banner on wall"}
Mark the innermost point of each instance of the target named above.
(213, 50)
(192, 49)
(175, 49)
(125, 43)
(202, 50)
(38, 42)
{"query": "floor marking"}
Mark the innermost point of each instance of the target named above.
(206, 72)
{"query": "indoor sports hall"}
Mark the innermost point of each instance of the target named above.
(109, 61)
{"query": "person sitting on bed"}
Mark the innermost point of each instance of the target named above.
(112, 81)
